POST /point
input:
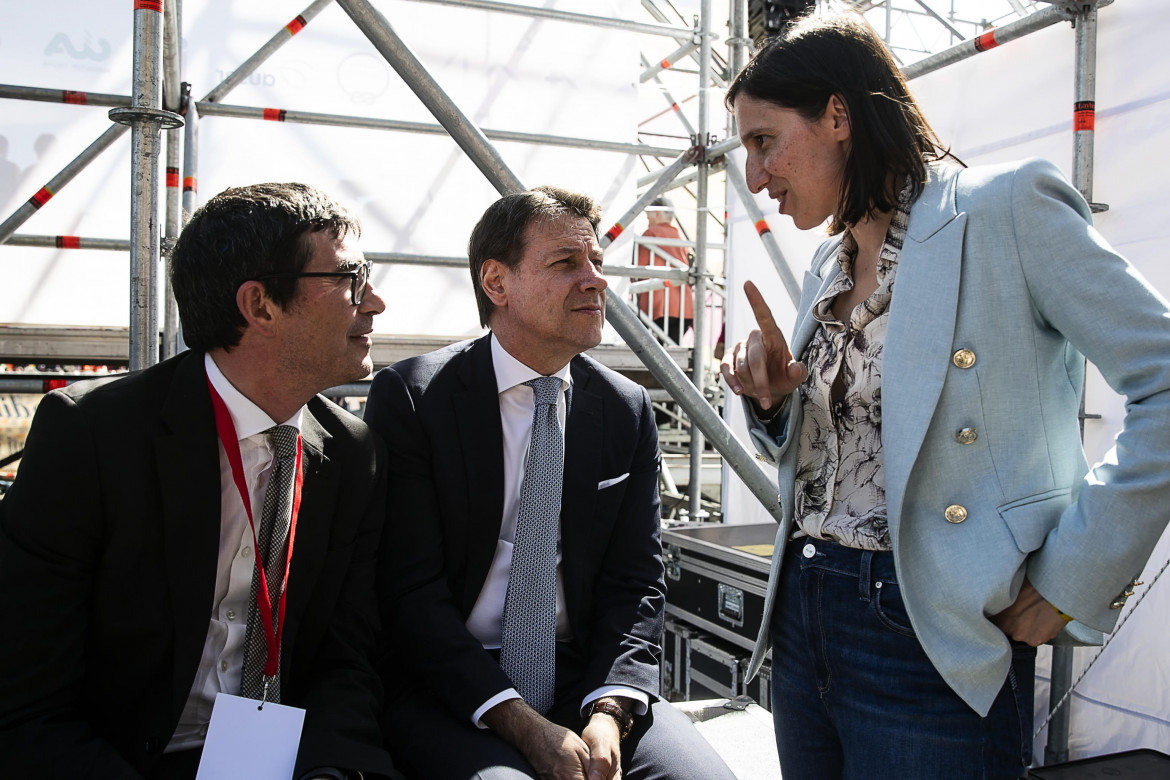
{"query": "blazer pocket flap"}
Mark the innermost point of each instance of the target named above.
(1030, 519)
(603, 484)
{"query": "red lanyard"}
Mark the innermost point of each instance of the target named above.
(231, 445)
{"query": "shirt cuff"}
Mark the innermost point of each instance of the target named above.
(493, 701)
(640, 698)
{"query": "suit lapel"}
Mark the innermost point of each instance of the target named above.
(920, 335)
(476, 409)
(188, 473)
(584, 442)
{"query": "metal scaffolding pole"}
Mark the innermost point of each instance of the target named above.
(146, 119)
(651, 71)
(665, 177)
(680, 181)
(63, 96)
(174, 95)
(375, 27)
(739, 40)
(236, 77)
(989, 40)
(1084, 114)
(338, 120)
(191, 161)
(69, 242)
(54, 185)
(783, 270)
(172, 226)
(565, 16)
(106, 139)
(674, 105)
(699, 269)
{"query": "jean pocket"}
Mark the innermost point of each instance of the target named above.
(887, 604)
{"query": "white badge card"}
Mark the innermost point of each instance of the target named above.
(246, 740)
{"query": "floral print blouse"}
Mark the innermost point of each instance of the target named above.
(840, 480)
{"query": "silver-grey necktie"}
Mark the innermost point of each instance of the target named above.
(528, 643)
(271, 538)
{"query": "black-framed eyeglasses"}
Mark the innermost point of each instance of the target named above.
(358, 279)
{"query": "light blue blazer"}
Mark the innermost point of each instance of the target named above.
(1002, 286)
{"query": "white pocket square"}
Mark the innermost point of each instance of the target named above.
(603, 484)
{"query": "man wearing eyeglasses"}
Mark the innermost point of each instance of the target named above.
(147, 508)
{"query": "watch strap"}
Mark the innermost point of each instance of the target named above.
(624, 719)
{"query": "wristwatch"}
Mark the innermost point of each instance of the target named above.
(624, 719)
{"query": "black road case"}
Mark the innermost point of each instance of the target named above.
(715, 578)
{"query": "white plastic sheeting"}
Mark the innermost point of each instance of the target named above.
(414, 193)
(1012, 102)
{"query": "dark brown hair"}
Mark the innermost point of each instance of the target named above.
(840, 54)
(501, 230)
(241, 234)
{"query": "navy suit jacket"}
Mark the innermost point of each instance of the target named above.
(109, 541)
(440, 416)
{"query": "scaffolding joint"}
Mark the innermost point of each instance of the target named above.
(184, 98)
(139, 115)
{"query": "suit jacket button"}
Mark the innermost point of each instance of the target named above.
(964, 358)
(966, 436)
(955, 514)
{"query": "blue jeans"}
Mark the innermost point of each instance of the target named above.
(854, 695)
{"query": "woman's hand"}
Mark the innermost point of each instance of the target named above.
(761, 366)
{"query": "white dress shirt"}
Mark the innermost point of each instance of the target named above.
(487, 616)
(221, 665)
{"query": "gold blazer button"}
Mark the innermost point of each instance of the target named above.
(966, 436)
(964, 358)
(955, 514)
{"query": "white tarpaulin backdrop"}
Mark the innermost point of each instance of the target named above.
(1012, 102)
(416, 194)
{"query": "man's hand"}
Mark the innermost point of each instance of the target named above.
(554, 752)
(761, 367)
(603, 736)
(1030, 618)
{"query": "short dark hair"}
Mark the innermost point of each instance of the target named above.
(840, 54)
(241, 234)
(500, 233)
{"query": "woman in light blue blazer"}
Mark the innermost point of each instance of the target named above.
(939, 517)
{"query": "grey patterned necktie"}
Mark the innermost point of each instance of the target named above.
(528, 642)
(271, 538)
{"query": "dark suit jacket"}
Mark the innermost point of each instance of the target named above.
(440, 417)
(108, 547)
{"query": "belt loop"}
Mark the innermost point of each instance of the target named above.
(863, 575)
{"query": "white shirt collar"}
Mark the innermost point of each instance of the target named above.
(511, 372)
(248, 418)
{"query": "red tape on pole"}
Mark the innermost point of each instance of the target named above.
(762, 226)
(188, 184)
(68, 242)
(986, 41)
(42, 197)
(296, 25)
(614, 232)
(148, 5)
(1084, 115)
(665, 63)
(76, 98)
(274, 114)
(172, 176)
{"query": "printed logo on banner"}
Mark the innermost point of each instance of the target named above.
(363, 77)
(63, 45)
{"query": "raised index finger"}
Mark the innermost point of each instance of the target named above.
(760, 308)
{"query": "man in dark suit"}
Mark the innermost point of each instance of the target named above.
(462, 425)
(126, 544)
